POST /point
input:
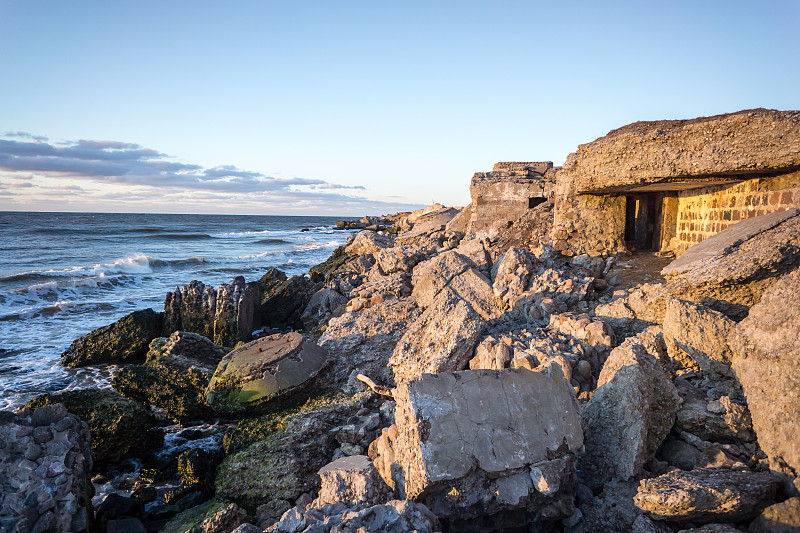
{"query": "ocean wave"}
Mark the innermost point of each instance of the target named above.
(179, 236)
(143, 230)
(132, 264)
(272, 241)
(51, 308)
(243, 233)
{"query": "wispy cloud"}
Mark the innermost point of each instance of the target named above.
(129, 173)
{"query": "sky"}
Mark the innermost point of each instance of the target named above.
(351, 108)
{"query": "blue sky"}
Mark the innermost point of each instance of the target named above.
(349, 108)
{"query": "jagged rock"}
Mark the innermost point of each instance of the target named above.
(629, 414)
(641, 308)
(119, 427)
(696, 337)
(734, 280)
(260, 375)
(492, 355)
(45, 485)
(781, 517)
(398, 259)
(226, 315)
(530, 231)
(460, 222)
(706, 494)
(511, 274)
(213, 516)
(369, 243)
(326, 270)
(595, 333)
(392, 517)
(767, 363)
(124, 340)
(612, 509)
(712, 420)
(434, 220)
(175, 375)
(472, 287)
(430, 277)
(352, 481)
(441, 339)
(324, 305)
(363, 341)
(482, 441)
(283, 304)
(283, 463)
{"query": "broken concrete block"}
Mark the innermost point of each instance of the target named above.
(481, 441)
(351, 480)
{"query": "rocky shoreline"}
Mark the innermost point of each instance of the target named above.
(524, 363)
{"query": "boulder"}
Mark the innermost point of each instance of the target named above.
(696, 338)
(434, 220)
(491, 354)
(227, 315)
(363, 342)
(352, 481)
(398, 259)
(781, 517)
(483, 441)
(46, 483)
(213, 516)
(460, 222)
(369, 243)
(707, 495)
(512, 273)
(474, 288)
(392, 517)
(325, 304)
(326, 270)
(592, 331)
(433, 275)
(119, 427)
(265, 374)
(440, 340)
(642, 307)
(283, 463)
(174, 376)
(282, 305)
(125, 340)
(629, 414)
(767, 364)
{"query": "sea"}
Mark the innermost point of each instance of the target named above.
(64, 274)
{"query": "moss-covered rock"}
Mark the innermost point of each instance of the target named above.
(180, 394)
(119, 427)
(293, 446)
(213, 516)
(325, 271)
(127, 339)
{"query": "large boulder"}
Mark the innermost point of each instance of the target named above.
(433, 275)
(484, 441)
(283, 463)
(352, 481)
(324, 305)
(629, 414)
(283, 303)
(119, 427)
(213, 516)
(398, 259)
(696, 338)
(125, 340)
(174, 376)
(45, 462)
(226, 315)
(767, 364)
(707, 495)
(369, 243)
(363, 342)
(265, 374)
(442, 339)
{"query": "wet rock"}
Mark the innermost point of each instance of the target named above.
(767, 347)
(282, 304)
(198, 467)
(629, 414)
(213, 516)
(283, 463)
(126, 339)
(369, 243)
(352, 481)
(441, 339)
(472, 443)
(326, 270)
(32, 496)
(363, 342)
(392, 517)
(119, 426)
(707, 494)
(260, 375)
(696, 338)
(325, 304)
(781, 517)
(114, 507)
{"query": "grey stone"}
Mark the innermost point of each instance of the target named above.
(351, 480)
(256, 376)
(430, 277)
